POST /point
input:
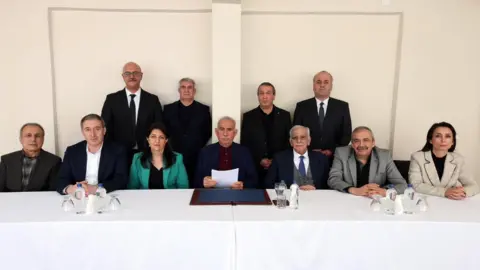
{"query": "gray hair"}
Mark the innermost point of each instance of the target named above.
(296, 127)
(32, 125)
(323, 71)
(186, 79)
(92, 116)
(360, 128)
(130, 63)
(227, 118)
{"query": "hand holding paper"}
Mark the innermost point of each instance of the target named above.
(225, 179)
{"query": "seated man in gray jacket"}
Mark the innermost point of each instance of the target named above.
(363, 169)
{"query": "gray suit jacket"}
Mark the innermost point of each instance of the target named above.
(424, 177)
(42, 178)
(343, 173)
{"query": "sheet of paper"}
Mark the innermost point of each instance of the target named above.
(225, 178)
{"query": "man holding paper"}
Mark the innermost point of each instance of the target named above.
(225, 164)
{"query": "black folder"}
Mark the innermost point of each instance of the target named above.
(230, 197)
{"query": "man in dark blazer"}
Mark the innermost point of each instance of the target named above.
(129, 113)
(225, 155)
(32, 168)
(328, 118)
(190, 125)
(265, 130)
(308, 169)
(93, 161)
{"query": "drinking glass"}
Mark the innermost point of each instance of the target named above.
(375, 204)
(281, 201)
(67, 203)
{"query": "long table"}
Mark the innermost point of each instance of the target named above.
(153, 230)
(160, 230)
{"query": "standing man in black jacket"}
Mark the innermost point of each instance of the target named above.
(265, 130)
(327, 118)
(190, 125)
(129, 113)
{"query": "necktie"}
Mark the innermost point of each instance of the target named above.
(321, 115)
(133, 112)
(301, 167)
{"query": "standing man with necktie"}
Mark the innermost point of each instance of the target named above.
(327, 118)
(130, 112)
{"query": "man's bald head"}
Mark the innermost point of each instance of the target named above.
(132, 76)
(322, 85)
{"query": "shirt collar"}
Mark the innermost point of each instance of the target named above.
(25, 156)
(325, 102)
(98, 152)
(297, 155)
(138, 93)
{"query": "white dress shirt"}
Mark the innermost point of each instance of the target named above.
(325, 105)
(93, 165)
(296, 160)
(136, 99)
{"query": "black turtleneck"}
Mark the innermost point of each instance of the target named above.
(439, 164)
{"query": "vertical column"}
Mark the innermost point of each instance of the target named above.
(226, 61)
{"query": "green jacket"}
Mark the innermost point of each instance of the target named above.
(173, 177)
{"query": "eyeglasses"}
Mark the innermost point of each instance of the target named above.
(135, 74)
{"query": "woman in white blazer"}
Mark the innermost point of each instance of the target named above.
(437, 170)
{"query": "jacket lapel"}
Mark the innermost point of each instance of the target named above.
(352, 165)
(104, 159)
(449, 169)
(144, 176)
(36, 169)
(430, 168)
(373, 167)
(166, 173)
(314, 169)
(289, 167)
(142, 113)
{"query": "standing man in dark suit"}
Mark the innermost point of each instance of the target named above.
(265, 130)
(328, 118)
(225, 155)
(32, 168)
(308, 169)
(129, 113)
(190, 125)
(93, 161)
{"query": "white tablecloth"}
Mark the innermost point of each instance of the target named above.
(160, 230)
(332, 230)
(154, 230)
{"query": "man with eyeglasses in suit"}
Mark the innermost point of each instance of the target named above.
(129, 113)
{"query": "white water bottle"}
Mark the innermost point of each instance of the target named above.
(294, 192)
(79, 193)
(101, 191)
(408, 200)
(391, 193)
(390, 197)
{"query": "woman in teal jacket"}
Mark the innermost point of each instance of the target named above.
(157, 167)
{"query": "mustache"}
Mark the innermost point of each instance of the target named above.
(362, 148)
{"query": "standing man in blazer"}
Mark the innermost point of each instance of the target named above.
(32, 168)
(328, 118)
(265, 130)
(93, 161)
(363, 169)
(130, 112)
(189, 124)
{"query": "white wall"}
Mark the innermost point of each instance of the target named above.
(288, 49)
(90, 48)
(437, 68)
